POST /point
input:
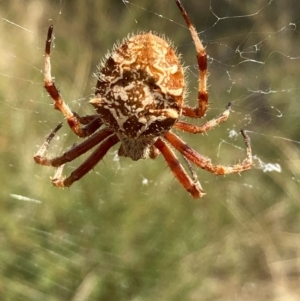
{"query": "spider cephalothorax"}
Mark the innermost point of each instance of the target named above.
(139, 93)
(139, 98)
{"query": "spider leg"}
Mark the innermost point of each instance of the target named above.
(73, 119)
(192, 186)
(72, 153)
(194, 129)
(91, 124)
(87, 165)
(205, 163)
(87, 119)
(192, 171)
(200, 110)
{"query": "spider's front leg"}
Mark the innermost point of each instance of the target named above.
(92, 123)
(201, 108)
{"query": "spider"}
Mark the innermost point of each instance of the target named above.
(139, 99)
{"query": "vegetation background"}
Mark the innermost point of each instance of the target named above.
(128, 230)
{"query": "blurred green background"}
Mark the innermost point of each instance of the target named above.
(128, 230)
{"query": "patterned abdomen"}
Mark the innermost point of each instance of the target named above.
(140, 88)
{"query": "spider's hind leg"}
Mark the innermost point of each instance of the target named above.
(206, 163)
(87, 165)
(191, 185)
(74, 152)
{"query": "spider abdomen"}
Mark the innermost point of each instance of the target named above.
(140, 87)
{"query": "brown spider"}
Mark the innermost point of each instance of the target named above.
(139, 98)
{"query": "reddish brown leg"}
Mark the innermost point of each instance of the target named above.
(193, 187)
(71, 154)
(200, 110)
(194, 129)
(87, 119)
(91, 124)
(205, 163)
(73, 119)
(86, 166)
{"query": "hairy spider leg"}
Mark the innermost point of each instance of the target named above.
(201, 108)
(193, 187)
(194, 129)
(87, 165)
(73, 119)
(205, 163)
(72, 153)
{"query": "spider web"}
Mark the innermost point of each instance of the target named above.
(128, 230)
